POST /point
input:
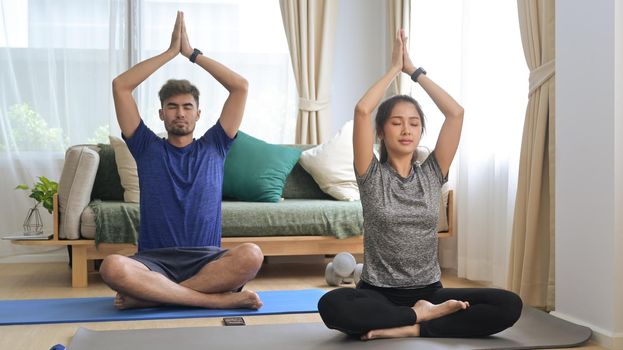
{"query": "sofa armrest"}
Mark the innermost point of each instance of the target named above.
(55, 217)
(74, 190)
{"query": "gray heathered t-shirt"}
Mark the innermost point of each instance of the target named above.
(400, 218)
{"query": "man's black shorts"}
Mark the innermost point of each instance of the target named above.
(178, 264)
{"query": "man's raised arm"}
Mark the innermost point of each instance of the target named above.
(123, 85)
(233, 109)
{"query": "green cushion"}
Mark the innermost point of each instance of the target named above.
(107, 185)
(116, 221)
(299, 184)
(256, 171)
(293, 217)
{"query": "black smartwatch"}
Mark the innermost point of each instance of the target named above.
(417, 73)
(193, 56)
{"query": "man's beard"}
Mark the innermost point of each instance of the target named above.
(179, 130)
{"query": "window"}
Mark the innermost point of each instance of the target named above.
(56, 66)
(245, 35)
(58, 58)
(473, 50)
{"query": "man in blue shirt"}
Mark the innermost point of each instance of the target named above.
(179, 260)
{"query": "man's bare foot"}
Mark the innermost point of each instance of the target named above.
(239, 300)
(398, 332)
(245, 299)
(426, 311)
(123, 302)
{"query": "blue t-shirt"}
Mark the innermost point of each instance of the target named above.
(181, 188)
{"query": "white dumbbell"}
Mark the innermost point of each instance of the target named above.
(343, 269)
(357, 273)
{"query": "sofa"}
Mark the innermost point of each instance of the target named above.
(92, 219)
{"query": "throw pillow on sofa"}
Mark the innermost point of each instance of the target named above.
(256, 171)
(331, 165)
(127, 170)
(107, 185)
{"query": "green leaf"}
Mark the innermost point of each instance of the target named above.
(45, 181)
(48, 204)
(42, 191)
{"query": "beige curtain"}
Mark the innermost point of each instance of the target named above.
(399, 16)
(310, 29)
(531, 272)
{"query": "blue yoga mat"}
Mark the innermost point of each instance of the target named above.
(34, 311)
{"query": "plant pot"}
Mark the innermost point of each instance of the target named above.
(33, 223)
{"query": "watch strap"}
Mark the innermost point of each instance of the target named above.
(193, 56)
(417, 73)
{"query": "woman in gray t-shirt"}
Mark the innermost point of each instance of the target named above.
(400, 292)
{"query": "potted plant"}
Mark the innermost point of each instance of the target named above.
(42, 192)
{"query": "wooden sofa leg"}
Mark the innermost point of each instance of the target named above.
(79, 278)
(90, 266)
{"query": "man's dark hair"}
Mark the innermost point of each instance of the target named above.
(174, 87)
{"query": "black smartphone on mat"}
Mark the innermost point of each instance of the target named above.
(233, 321)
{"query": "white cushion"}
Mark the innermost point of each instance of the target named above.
(75, 186)
(331, 165)
(126, 165)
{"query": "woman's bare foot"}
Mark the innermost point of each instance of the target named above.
(123, 302)
(398, 332)
(426, 311)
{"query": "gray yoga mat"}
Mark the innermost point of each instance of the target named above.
(535, 329)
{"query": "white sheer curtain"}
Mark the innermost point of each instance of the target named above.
(58, 58)
(473, 49)
(245, 35)
(56, 62)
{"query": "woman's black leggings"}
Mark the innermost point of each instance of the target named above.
(357, 311)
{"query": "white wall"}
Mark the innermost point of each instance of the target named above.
(589, 160)
(360, 55)
(618, 193)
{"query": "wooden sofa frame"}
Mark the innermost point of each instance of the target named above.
(84, 251)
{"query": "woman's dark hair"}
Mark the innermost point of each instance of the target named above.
(385, 110)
